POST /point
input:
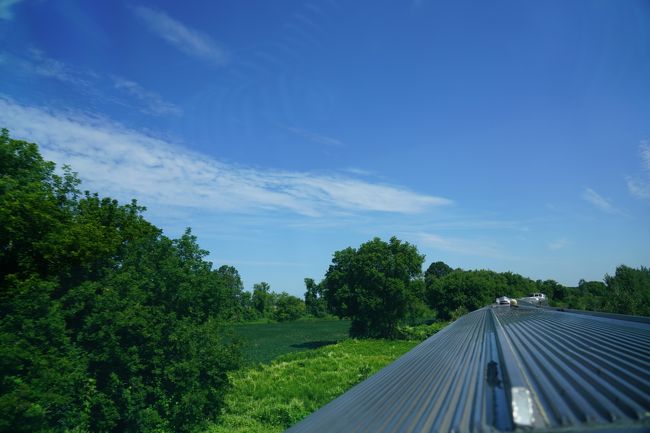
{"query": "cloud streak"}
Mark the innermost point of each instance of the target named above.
(185, 39)
(645, 155)
(558, 244)
(125, 163)
(261, 263)
(315, 137)
(47, 67)
(598, 201)
(460, 246)
(91, 84)
(640, 188)
(152, 102)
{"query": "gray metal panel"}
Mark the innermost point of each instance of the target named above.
(501, 369)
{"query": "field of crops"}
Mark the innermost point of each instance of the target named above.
(297, 367)
(264, 342)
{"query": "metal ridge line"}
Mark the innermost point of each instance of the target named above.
(500, 369)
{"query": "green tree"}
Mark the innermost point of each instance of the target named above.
(462, 290)
(42, 373)
(288, 307)
(105, 324)
(236, 303)
(517, 285)
(555, 292)
(437, 270)
(314, 301)
(628, 291)
(263, 299)
(249, 312)
(34, 209)
(375, 285)
(43, 380)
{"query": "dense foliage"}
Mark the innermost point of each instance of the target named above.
(377, 286)
(419, 332)
(270, 398)
(458, 291)
(437, 270)
(461, 291)
(267, 304)
(625, 292)
(315, 303)
(105, 324)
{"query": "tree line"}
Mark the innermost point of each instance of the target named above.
(106, 324)
(380, 286)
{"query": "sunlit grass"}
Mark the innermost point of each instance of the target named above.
(271, 397)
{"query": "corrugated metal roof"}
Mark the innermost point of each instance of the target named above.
(504, 369)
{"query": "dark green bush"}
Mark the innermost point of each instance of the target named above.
(419, 332)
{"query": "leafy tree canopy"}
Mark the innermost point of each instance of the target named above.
(314, 301)
(437, 270)
(628, 291)
(288, 307)
(262, 298)
(375, 285)
(461, 290)
(105, 324)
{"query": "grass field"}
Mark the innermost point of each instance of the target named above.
(269, 398)
(264, 342)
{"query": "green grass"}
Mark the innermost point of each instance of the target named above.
(266, 341)
(271, 397)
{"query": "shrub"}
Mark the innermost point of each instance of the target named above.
(419, 332)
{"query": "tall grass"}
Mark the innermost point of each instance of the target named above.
(271, 397)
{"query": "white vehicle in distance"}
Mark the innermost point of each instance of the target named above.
(536, 298)
(503, 300)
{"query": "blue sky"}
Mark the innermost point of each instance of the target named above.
(509, 135)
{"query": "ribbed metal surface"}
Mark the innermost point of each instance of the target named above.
(504, 369)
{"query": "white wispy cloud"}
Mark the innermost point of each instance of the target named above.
(187, 40)
(558, 244)
(125, 163)
(598, 201)
(6, 12)
(645, 155)
(639, 187)
(38, 63)
(479, 224)
(315, 137)
(152, 102)
(359, 171)
(90, 84)
(472, 247)
(261, 263)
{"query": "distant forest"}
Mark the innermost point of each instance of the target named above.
(108, 325)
